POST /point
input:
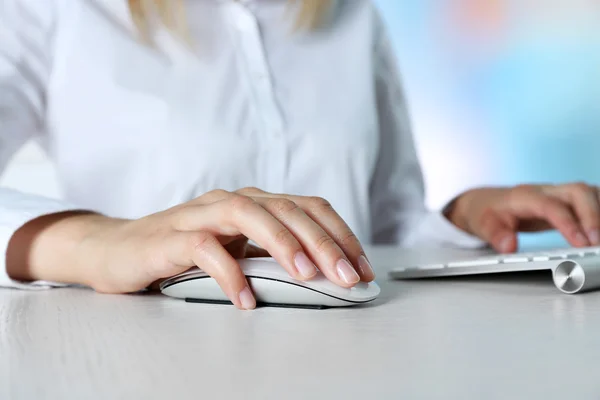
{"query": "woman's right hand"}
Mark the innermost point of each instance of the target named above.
(211, 231)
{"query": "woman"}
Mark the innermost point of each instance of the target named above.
(148, 107)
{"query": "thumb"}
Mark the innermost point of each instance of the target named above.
(500, 231)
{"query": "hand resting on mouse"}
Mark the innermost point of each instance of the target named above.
(120, 256)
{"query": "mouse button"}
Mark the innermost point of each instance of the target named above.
(266, 262)
(267, 267)
(269, 291)
(321, 283)
(196, 289)
(194, 272)
(362, 291)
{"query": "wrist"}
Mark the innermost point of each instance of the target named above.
(49, 248)
(456, 212)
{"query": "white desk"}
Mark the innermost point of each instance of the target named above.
(508, 337)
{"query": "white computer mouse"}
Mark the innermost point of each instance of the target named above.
(272, 286)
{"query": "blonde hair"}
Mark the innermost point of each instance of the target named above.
(171, 13)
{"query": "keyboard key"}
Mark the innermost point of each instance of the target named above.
(558, 254)
(473, 263)
(574, 254)
(541, 258)
(529, 255)
(432, 266)
(515, 259)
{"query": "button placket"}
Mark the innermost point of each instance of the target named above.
(255, 64)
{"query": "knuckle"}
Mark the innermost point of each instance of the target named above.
(284, 237)
(349, 239)
(524, 187)
(282, 206)
(217, 193)
(517, 193)
(324, 242)
(579, 187)
(319, 203)
(241, 203)
(250, 190)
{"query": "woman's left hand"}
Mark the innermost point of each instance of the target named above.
(497, 214)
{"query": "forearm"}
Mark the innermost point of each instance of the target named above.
(48, 248)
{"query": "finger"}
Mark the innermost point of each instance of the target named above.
(557, 213)
(322, 213)
(303, 268)
(241, 215)
(499, 230)
(319, 246)
(586, 205)
(203, 250)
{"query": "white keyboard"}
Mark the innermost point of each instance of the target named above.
(574, 270)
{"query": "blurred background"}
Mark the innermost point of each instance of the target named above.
(500, 92)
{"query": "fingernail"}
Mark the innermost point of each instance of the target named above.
(594, 236)
(303, 264)
(346, 272)
(365, 267)
(247, 299)
(581, 239)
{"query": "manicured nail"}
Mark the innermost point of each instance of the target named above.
(346, 272)
(303, 264)
(365, 267)
(594, 236)
(247, 299)
(581, 239)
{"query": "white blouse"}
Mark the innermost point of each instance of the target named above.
(133, 130)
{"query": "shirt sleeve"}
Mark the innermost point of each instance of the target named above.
(26, 36)
(398, 208)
